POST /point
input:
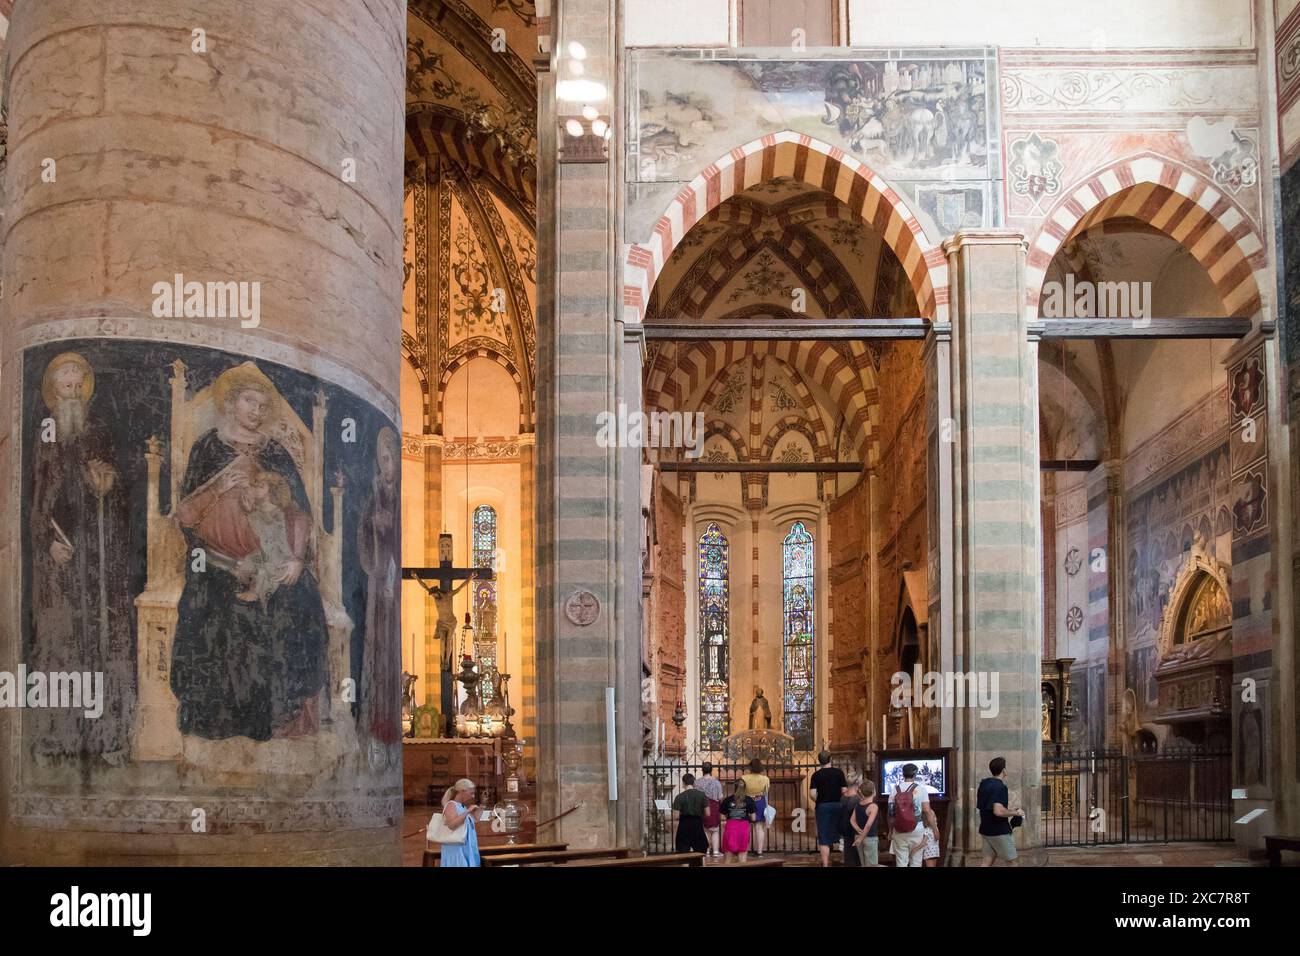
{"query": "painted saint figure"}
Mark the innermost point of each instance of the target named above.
(379, 548)
(82, 615)
(250, 654)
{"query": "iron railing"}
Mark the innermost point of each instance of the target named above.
(1098, 796)
(794, 830)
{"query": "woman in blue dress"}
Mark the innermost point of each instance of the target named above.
(457, 812)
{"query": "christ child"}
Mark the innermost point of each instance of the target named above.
(264, 501)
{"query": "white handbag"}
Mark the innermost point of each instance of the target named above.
(439, 832)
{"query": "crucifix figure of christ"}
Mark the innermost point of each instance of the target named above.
(445, 631)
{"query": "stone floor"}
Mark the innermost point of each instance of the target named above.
(1146, 854)
(1152, 854)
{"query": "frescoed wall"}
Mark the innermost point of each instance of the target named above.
(219, 537)
(925, 121)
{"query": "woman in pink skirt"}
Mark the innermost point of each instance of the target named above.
(738, 812)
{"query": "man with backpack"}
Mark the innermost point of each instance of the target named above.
(908, 805)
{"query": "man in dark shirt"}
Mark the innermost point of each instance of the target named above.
(691, 805)
(826, 787)
(995, 818)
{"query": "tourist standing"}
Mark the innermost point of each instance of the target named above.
(738, 812)
(909, 809)
(457, 812)
(826, 787)
(995, 818)
(847, 803)
(711, 786)
(863, 824)
(758, 786)
(691, 805)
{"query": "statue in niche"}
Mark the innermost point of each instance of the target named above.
(251, 647)
(80, 541)
(759, 706)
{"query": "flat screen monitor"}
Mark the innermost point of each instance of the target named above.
(931, 771)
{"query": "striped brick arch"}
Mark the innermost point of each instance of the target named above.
(414, 356)
(802, 158)
(431, 131)
(1178, 202)
(680, 371)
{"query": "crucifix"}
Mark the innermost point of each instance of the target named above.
(445, 575)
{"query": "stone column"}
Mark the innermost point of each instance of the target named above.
(433, 526)
(1116, 557)
(223, 142)
(523, 693)
(1049, 567)
(993, 530)
(588, 513)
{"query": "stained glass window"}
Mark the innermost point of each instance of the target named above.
(715, 689)
(797, 602)
(485, 536)
(485, 592)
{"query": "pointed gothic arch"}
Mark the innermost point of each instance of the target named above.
(807, 160)
(1180, 203)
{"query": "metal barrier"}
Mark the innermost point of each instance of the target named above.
(1094, 797)
(794, 830)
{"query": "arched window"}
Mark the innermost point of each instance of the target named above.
(797, 602)
(715, 688)
(485, 592)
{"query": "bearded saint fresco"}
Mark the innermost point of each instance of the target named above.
(251, 644)
(82, 614)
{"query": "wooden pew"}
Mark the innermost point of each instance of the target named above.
(763, 861)
(665, 859)
(433, 856)
(548, 857)
(1274, 845)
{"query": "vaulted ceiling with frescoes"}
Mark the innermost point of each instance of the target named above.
(781, 251)
(470, 208)
(750, 255)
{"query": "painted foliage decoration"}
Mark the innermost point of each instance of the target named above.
(715, 688)
(797, 602)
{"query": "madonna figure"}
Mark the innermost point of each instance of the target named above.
(249, 658)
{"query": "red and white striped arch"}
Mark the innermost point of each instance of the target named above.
(802, 158)
(1177, 201)
(680, 371)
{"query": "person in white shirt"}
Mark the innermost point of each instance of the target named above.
(908, 822)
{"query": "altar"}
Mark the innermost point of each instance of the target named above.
(430, 765)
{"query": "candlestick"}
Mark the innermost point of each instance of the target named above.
(884, 732)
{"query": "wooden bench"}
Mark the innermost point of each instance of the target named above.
(551, 857)
(1274, 845)
(433, 856)
(764, 861)
(666, 859)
